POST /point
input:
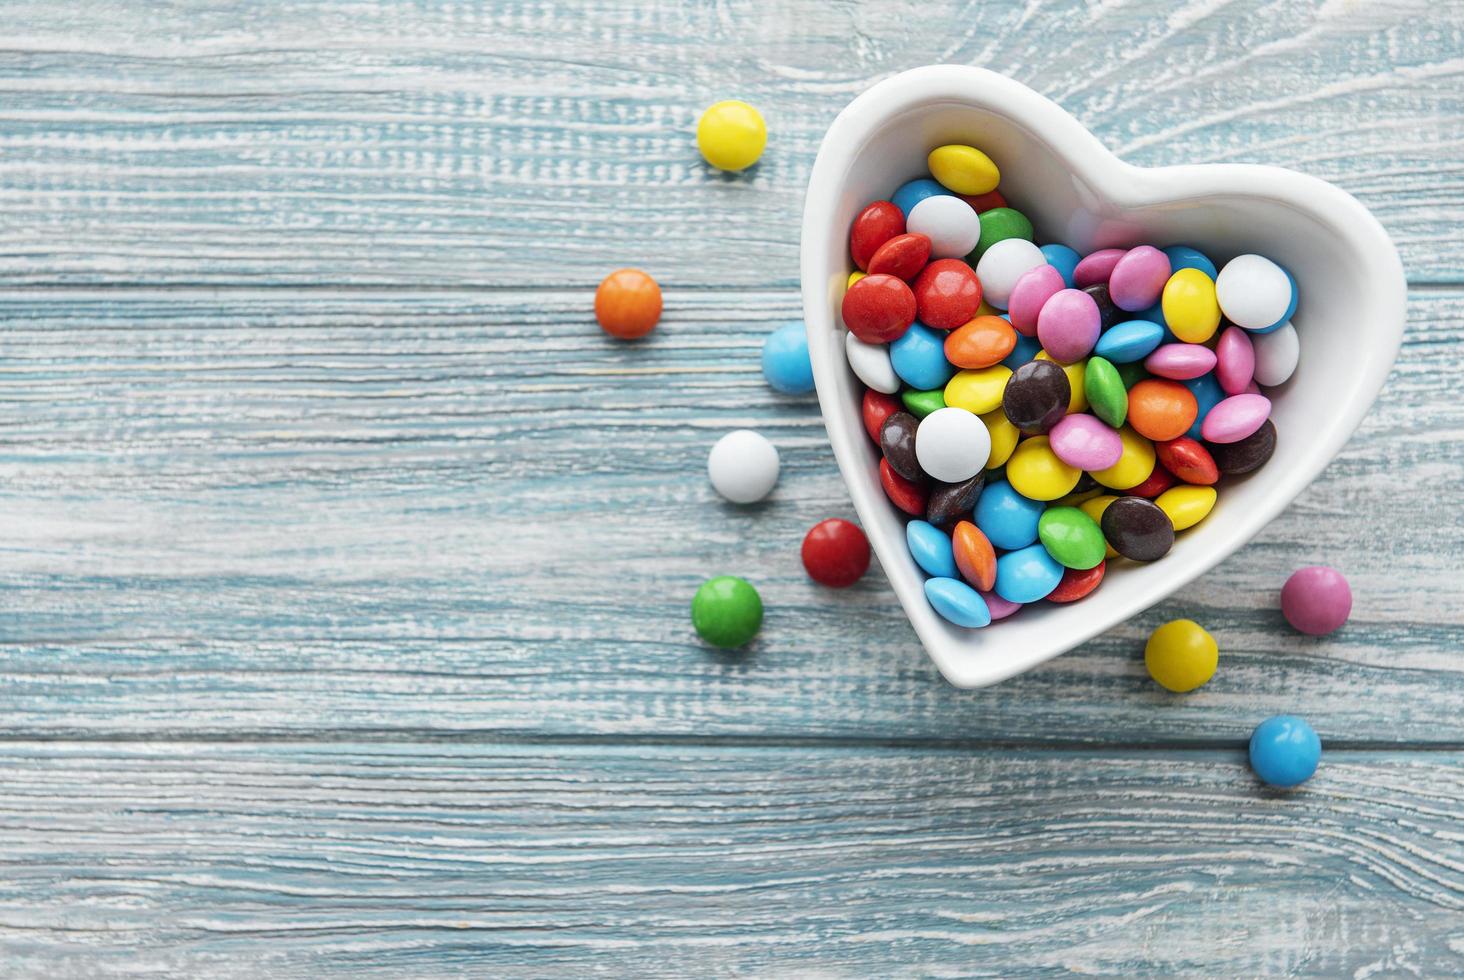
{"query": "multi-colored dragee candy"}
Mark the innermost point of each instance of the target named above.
(1041, 413)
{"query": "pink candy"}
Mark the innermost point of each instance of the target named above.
(999, 607)
(1236, 361)
(1097, 267)
(1180, 362)
(1033, 289)
(1316, 599)
(1138, 278)
(1235, 417)
(1085, 442)
(1068, 325)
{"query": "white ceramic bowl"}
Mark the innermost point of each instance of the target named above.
(1350, 316)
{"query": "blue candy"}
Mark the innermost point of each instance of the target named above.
(1008, 519)
(1132, 340)
(785, 360)
(1064, 260)
(916, 191)
(1027, 575)
(957, 602)
(1290, 308)
(931, 548)
(1208, 394)
(919, 358)
(1284, 751)
(1184, 257)
(1026, 350)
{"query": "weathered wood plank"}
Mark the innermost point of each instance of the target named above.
(522, 142)
(425, 860)
(256, 512)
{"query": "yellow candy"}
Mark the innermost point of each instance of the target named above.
(1076, 373)
(1004, 437)
(854, 277)
(731, 135)
(978, 391)
(1035, 472)
(963, 169)
(1133, 467)
(986, 309)
(1186, 505)
(1190, 307)
(1181, 656)
(1094, 508)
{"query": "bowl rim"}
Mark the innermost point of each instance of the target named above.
(1122, 185)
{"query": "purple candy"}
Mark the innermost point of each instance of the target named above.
(1181, 362)
(1085, 442)
(1235, 417)
(1235, 361)
(1138, 278)
(1068, 325)
(1034, 288)
(1316, 599)
(998, 607)
(1097, 267)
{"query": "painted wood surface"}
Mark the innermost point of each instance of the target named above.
(264, 514)
(415, 859)
(523, 141)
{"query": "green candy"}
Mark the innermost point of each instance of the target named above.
(1107, 394)
(1071, 537)
(922, 403)
(726, 611)
(1132, 373)
(999, 224)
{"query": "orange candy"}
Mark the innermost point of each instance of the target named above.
(980, 343)
(1161, 410)
(975, 558)
(628, 304)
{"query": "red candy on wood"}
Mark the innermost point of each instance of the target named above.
(947, 294)
(876, 408)
(835, 553)
(1158, 481)
(878, 309)
(875, 225)
(904, 494)
(1075, 584)
(902, 257)
(1188, 460)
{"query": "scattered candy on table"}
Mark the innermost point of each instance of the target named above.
(726, 611)
(628, 304)
(785, 361)
(1181, 655)
(1044, 417)
(731, 135)
(835, 553)
(743, 466)
(1316, 599)
(1284, 751)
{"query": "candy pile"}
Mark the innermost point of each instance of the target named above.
(1039, 412)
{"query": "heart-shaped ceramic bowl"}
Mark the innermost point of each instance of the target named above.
(1350, 317)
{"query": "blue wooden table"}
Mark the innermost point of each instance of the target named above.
(345, 566)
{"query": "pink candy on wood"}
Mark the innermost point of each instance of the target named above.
(1138, 278)
(1235, 417)
(1316, 599)
(1033, 289)
(1235, 361)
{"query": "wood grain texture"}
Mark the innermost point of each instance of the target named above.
(427, 860)
(525, 142)
(255, 513)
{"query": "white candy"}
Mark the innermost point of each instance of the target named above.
(1253, 291)
(1276, 355)
(949, 222)
(871, 364)
(1002, 265)
(743, 466)
(952, 445)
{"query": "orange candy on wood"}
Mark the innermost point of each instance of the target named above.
(628, 304)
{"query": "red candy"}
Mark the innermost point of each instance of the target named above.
(1075, 584)
(878, 309)
(1188, 460)
(947, 294)
(1158, 481)
(876, 408)
(984, 202)
(902, 257)
(875, 225)
(907, 495)
(835, 553)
